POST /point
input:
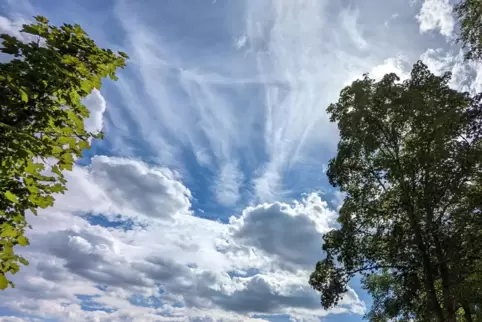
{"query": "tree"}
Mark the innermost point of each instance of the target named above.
(394, 300)
(42, 122)
(469, 14)
(390, 301)
(410, 162)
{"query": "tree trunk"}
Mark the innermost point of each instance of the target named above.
(448, 300)
(428, 268)
(428, 278)
(467, 313)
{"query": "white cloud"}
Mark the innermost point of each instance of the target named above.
(241, 42)
(133, 185)
(113, 186)
(270, 228)
(436, 15)
(96, 105)
(294, 56)
(349, 20)
(338, 199)
(17, 319)
(12, 27)
(263, 105)
(188, 268)
(229, 181)
(466, 75)
(393, 17)
(398, 65)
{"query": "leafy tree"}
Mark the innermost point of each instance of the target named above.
(390, 301)
(469, 14)
(410, 161)
(42, 121)
(394, 299)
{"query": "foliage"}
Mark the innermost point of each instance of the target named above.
(393, 299)
(42, 122)
(391, 304)
(409, 160)
(469, 14)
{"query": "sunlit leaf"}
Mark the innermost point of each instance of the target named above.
(3, 282)
(42, 120)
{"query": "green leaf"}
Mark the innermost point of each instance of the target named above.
(86, 86)
(56, 170)
(84, 145)
(34, 168)
(42, 19)
(22, 241)
(14, 268)
(31, 29)
(57, 188)
(10, 196)
(69, 59)
(23, 261)
(8, 231)
(24, 95)
(3, 282)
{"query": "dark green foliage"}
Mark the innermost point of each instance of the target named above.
(410, 162)
(469, 14)
(42, 118)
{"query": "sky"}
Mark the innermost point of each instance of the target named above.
(207, 200)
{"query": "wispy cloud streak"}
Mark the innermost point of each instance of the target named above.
(248, 91)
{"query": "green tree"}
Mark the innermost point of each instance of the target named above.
(410, 161)
(394, 301)
(469, 14)
(42, 121)
(395, 298)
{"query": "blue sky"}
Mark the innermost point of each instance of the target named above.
(207, 199)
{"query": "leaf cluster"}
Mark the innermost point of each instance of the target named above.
(42, 121)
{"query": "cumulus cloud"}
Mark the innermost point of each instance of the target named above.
(96, 105)
(398, 65)
(132, 185)
(88, 254)
(466, 75)
(119, 186)
(16, 319)
(185, 268)
(270, 228)
(436, 15)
